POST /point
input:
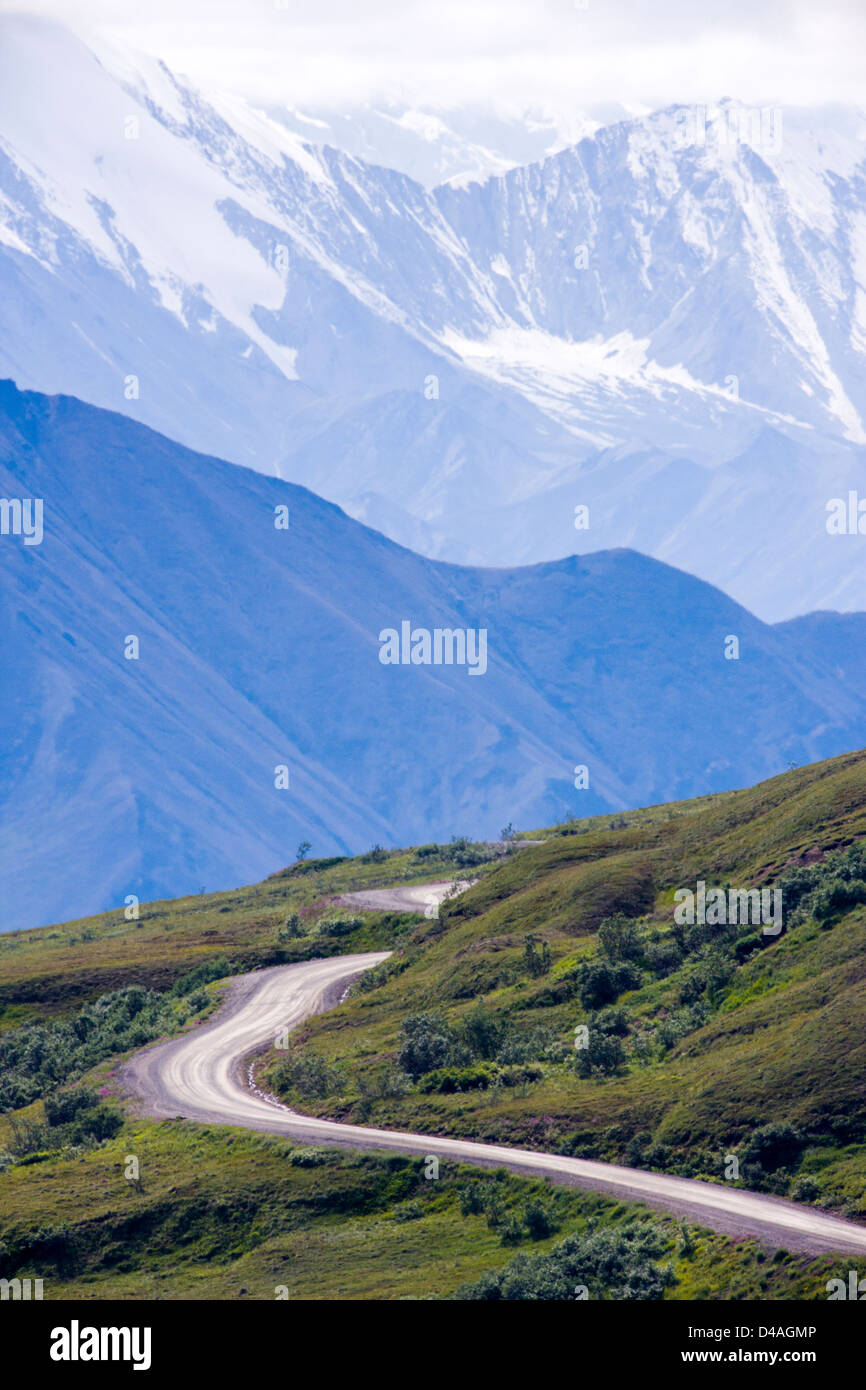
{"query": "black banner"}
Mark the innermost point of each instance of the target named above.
(63, 1340)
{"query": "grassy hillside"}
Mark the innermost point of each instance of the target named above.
(52, 970)
(223, 1214)
(700, 1040)
(704, 1045)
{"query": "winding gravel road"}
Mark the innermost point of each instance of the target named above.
(205, 1075)
(413, 897)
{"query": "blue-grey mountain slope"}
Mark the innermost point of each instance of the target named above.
(260, 647)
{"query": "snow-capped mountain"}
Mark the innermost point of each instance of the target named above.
(188, 689)
(664, 323)
(433, 147)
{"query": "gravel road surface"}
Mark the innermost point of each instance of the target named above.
(205, 1075)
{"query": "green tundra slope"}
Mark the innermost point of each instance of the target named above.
(710, 1051)
(222, 1214)
(704, 1042)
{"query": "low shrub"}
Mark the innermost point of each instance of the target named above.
(447, 1080)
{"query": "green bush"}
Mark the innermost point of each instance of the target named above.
(612, 1021)
(309, 1075)
(36, 1058)
(620, 1265)
(386, 1083)
(601, 982)
(535, 962)
(292, 928)
(447, 1080)
(664, 957)
(68, 1105)
(461, 852)
(314, 866)
(409, 1211)
(520, 1076)
(471, 1199)
(837, 897)
(381, 974)
(78, 1118)
(708, 975)
(603, 1056)
(308, 1158)
(483, 1032)
(679, 1023)
(619, 938)
(511, 1230)
(427, 1042)
(539, 1220)
(825, 890)
(774, 1146)
(339, 926)
(215, 969)
(806, 1189)
(531, 1045)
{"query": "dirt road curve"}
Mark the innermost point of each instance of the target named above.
(416, 897)
(204, 1075)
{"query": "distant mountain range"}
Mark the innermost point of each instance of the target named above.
(258, 649)
(664, 323)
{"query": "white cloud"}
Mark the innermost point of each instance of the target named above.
(506, 56)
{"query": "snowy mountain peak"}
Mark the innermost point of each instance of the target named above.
(646, 303)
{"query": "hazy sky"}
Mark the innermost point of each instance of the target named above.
(510, 55)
